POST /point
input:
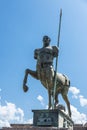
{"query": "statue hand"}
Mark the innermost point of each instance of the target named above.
(25, 88)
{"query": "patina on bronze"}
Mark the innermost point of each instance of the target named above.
(45, 73)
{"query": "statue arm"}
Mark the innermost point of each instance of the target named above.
(36, 51)
(55, 51)
(35, 54)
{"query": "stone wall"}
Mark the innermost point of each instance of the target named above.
(36, 128)
(30, 127)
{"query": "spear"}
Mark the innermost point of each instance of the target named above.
(56, 66)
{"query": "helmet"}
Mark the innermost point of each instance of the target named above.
(46, 41)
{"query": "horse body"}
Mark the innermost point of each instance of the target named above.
(47, 79)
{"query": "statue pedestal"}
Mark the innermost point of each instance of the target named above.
(53, 118)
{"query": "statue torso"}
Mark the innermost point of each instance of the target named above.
(46, 54)
(44, 67)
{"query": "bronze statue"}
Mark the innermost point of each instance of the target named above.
(46, 74)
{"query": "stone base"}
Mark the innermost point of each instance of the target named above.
(33, 128)
(53, 118)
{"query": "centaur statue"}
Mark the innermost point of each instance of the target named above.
(46, 74)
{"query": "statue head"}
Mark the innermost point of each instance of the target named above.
(46, 41)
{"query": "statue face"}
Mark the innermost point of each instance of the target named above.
(46, 41)
(46, 38)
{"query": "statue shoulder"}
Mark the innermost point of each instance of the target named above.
(55, 51)
(36, 52)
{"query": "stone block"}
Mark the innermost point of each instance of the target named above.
(52, 118)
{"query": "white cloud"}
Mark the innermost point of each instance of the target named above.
(41, 99)
(74, 91)
(77, 117)
(83, 101)
(4, 124)
(76, 94)
(10, 113)
(46, 107)
(30, 121)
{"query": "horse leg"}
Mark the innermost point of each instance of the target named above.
(49, 98)
(32, 73)
(68, 104)
(56, 101)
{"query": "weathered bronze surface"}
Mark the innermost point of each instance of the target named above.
(46, 74)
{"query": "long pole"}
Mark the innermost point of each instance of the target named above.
(56, 66)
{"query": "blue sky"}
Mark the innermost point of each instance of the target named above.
(23, 23)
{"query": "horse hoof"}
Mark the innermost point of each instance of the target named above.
(25, 88)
